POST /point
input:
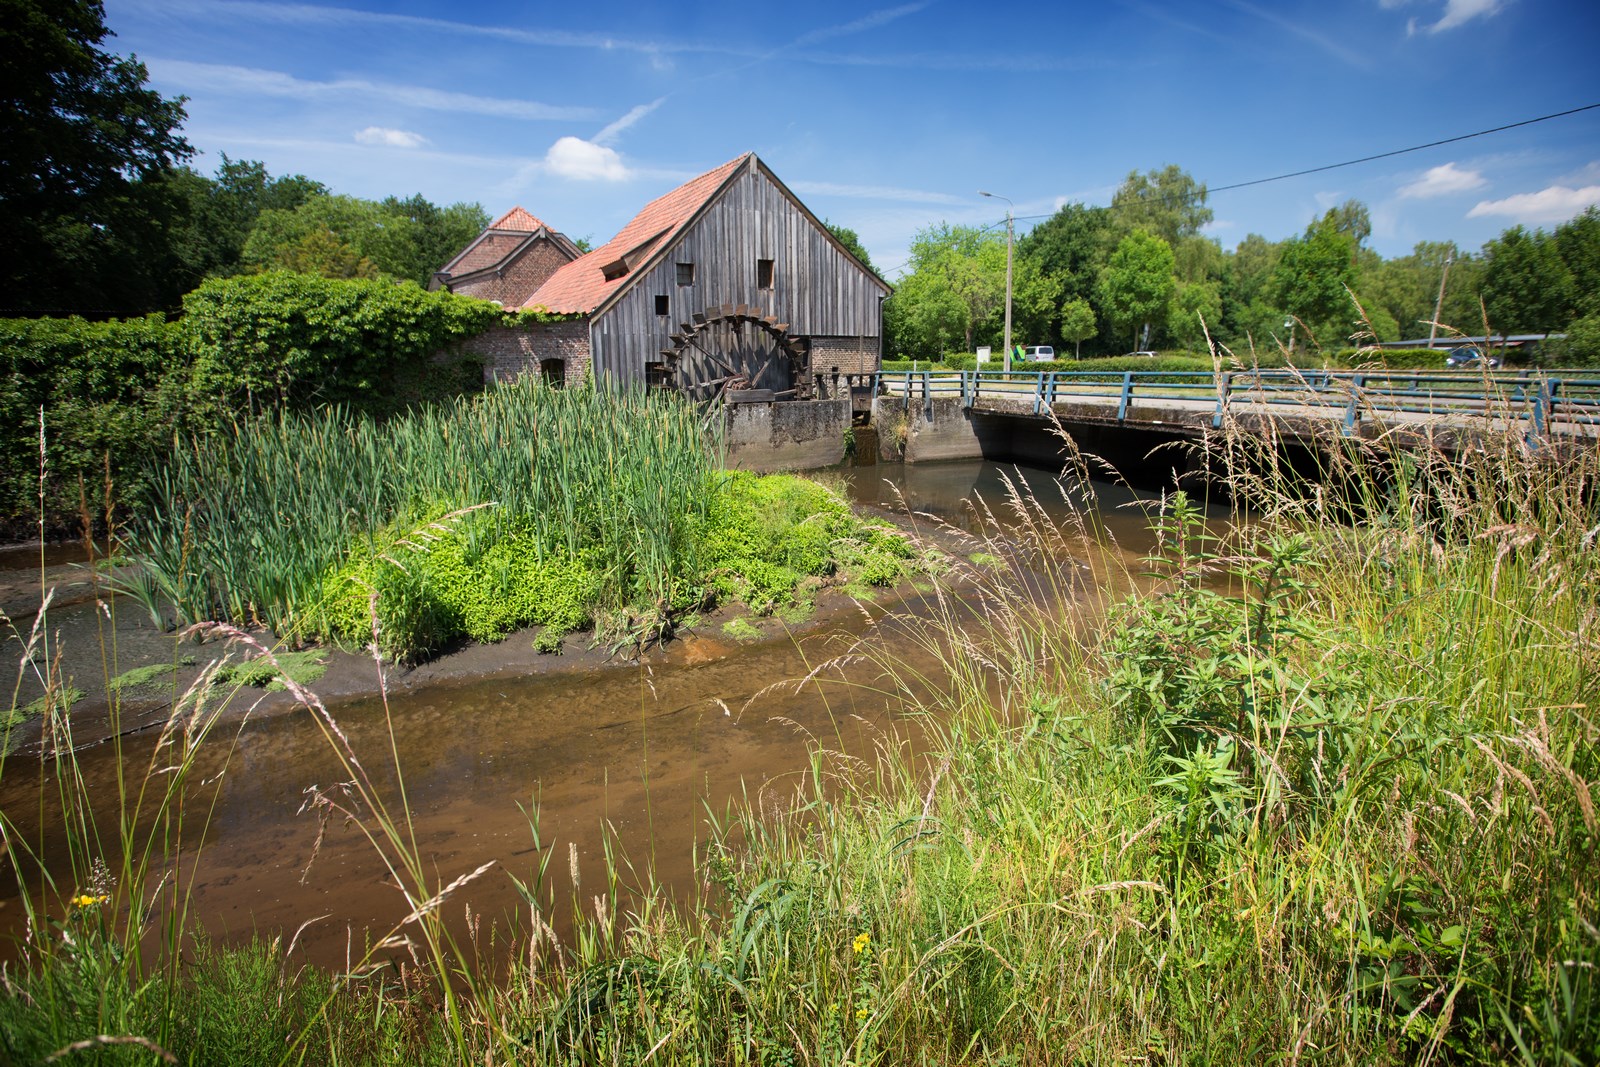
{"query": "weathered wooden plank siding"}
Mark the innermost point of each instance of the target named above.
(817, 290)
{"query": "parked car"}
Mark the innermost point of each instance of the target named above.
(1039, 353)
(1470, 357)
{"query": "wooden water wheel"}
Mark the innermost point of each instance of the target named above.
(734, 354)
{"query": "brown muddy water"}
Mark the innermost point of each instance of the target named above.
(634, 756)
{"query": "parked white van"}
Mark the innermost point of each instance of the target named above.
(1038, 353)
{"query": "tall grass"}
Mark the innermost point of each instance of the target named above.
(247, 525)
(1318, 792)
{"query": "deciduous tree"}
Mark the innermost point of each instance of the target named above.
(83, 144)
(1137, 283)
(1313, 280)
(1077, 324)
(1167, 202)
(1527, 287)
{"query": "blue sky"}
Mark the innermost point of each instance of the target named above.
(890, 118)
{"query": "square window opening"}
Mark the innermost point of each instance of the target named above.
(763, 274)
(661, 305)
(685, 273)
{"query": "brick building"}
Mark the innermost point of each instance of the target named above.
(507, 261)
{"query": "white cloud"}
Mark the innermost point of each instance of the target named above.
(1557, 203)
(380, 135)
(1460, 12)
(230, 79)
(580, 160)
(1442, 181)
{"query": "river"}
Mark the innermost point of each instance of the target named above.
(631, 754)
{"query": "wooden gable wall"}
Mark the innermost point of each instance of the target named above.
(817, 289)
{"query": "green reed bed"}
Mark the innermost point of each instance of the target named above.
(524, 506)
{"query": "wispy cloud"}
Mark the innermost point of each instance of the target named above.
(610, 133)
(380, 135)
(1305, 33)
(1557, 203)
(867, 22)
(962, 61)
(1442, 180)
(229, 79)
(232, 11)
(875, 192)
(230, 139)
(1461, 12)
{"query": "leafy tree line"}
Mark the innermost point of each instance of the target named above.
(101, 215)
(1141, 274)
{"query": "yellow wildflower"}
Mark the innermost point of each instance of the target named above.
(862, 940)
(84, 900)
(861, 1013)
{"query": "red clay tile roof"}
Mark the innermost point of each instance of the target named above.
(503, 237)
(581, 286)
(517, 219)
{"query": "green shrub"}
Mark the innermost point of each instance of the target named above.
(112, 394)
(264, 340)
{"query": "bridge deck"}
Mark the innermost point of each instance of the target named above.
(1541, 405)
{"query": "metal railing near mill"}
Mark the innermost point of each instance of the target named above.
(1543, 402)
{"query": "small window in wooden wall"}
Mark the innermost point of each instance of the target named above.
(763, 274)
(685, 273)
(661, 305)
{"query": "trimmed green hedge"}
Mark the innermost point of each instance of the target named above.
(109, 393)
(114, 393)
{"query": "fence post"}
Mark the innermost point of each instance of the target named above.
(1224, 386)
(1127, 394)
(1352, 413)
(1539, 417)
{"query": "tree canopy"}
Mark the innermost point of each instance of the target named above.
(1137, 283)
(84, 148)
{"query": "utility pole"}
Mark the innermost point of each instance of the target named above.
(1010, 208)
(1438, 305)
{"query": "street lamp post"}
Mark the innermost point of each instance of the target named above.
(1438, 305)
(1010, 208)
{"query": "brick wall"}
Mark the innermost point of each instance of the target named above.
(514, 284)
(852, 355)
(509, 351)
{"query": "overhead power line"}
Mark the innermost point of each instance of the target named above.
(1403, 151)
(1380, 155)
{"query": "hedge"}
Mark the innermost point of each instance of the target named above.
(114, 393)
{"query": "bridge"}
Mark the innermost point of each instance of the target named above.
(1542, 404)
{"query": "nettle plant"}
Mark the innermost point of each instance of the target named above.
(1242, 703)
